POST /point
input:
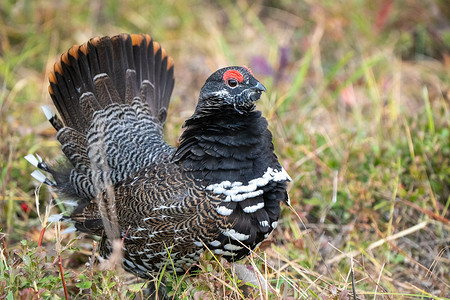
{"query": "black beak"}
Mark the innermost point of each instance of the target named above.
(259, 87)
(255, 92)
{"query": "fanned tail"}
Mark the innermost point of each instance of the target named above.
(112, 96)
(109, 70)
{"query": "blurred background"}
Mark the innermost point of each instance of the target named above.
(358, 103)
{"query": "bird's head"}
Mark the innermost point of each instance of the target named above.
(230, 88)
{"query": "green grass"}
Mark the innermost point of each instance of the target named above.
(358, 103)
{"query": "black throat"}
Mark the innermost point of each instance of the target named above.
(226, 145)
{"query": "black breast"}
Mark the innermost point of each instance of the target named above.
(232, 156)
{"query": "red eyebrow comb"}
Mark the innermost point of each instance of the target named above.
(248, 69)
(235, 74)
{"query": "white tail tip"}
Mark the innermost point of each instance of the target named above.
(34, 160)
(47, 111)
(69, 230)
(39, 176)
(71, 203)
(101, 75)
(39, 158)
(55, 218)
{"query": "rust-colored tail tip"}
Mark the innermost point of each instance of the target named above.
(83, 49)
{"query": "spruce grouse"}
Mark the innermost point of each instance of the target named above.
(219, 189)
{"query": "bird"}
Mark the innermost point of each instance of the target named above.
(219, 189)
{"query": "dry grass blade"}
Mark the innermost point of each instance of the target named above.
(379, 242)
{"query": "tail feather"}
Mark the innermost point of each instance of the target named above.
(166, 89)
(106, 93)
(131, 86)
(39, 176)
(89, 104)
(52, 118)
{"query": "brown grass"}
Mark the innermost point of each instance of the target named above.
(358, 102)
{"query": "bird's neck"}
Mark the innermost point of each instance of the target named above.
(226, 146)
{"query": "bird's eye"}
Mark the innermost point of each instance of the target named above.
(232, 82)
